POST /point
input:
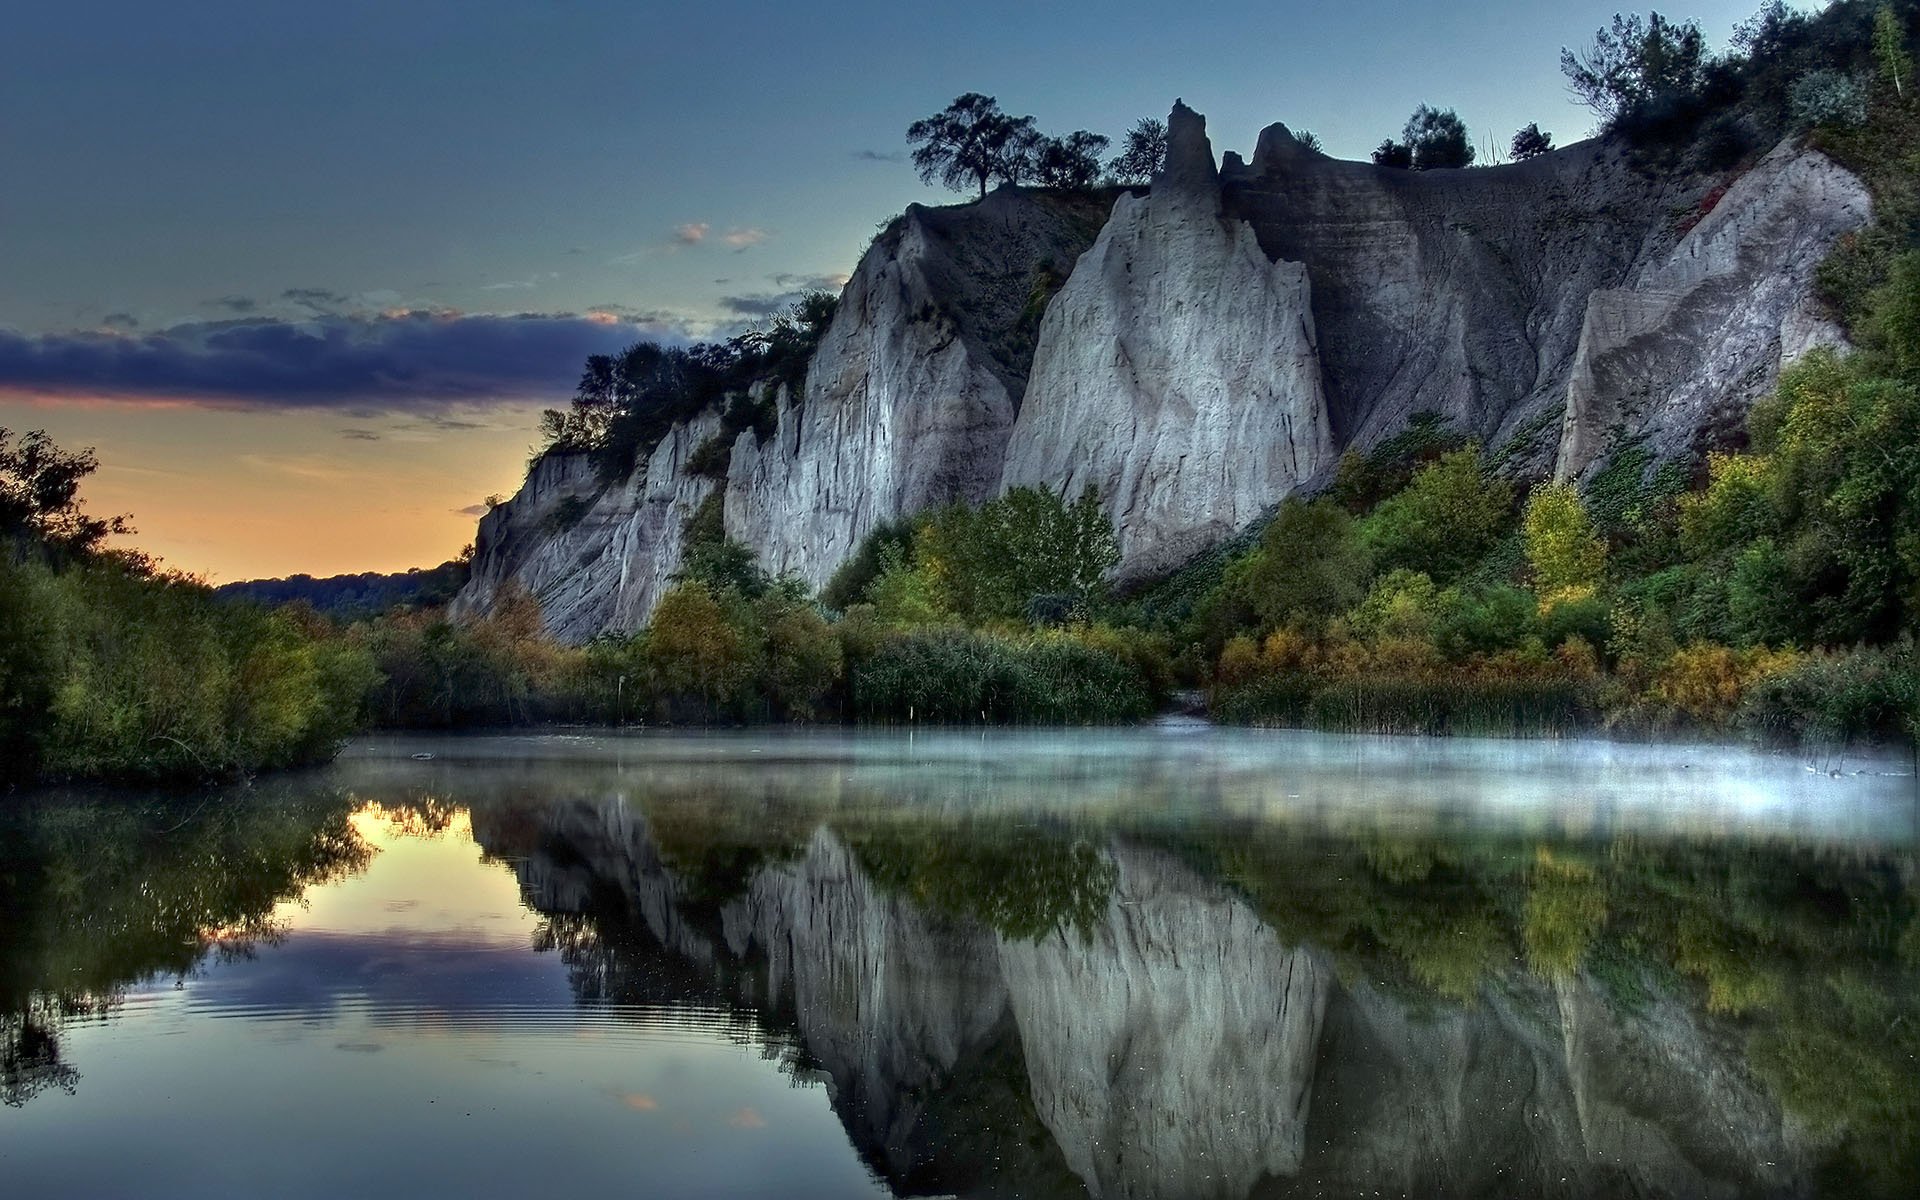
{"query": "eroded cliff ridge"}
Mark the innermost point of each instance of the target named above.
(1216, 343)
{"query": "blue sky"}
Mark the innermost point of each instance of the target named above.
(211, 179)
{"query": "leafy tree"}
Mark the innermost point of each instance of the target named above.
(1530, 142)
(1308, 140)
(696, 650)
(972, 143)
(1634, 63)
(803, 658)
(1390, 153)
(1310, 565)
(1071, 163)
(1768, 32)
(1445, 521)
(990, 562)
(40, 497)
(1144, 153)
(1436, 139)
(1567, 555)
(1889, 49)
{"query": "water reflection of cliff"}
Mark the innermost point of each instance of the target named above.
(1007, 1005)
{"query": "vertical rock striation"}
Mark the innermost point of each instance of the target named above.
(1696, 335)
(1177, 371)
(597, 556)
(912, 395)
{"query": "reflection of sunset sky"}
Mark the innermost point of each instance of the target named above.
(405, 1038)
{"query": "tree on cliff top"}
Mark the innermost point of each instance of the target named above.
(972, 143)
(1071, 162)
(1437, 139)
(1530, 142)
(1635, 63)
(1145, 153)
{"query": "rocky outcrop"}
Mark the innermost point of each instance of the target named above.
(1219, 341)
(912, 395)
(1695, 336)
(1177, 371)
(597, 556)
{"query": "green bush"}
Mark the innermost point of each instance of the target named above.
(109, 672)
(1836, 698)
(955, 676)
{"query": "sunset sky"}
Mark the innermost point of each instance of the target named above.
(305, 274)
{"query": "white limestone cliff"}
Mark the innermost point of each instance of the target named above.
(1700, 333)
(604, 565)
(1177, 371)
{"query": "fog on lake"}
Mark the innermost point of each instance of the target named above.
(1175, 961)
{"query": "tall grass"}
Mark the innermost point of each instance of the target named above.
(956, 676)
(1413, 704)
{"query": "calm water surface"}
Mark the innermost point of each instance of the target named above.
(1170, 962)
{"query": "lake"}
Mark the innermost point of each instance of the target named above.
(1173, 961)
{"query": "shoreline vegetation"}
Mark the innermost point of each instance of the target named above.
(1770, 590)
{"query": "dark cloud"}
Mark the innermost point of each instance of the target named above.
(424, 362)
(120, 320)
(360, 435)
(760, 304)
(319, 298)
(473, 510)
(885, 156)
(236, 304)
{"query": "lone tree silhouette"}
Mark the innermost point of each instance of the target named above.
(972, 143)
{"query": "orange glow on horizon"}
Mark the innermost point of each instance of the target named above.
(231, 494)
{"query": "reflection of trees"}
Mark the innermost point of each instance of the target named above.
(1020, 879)
(1808, 955)
(99, 894)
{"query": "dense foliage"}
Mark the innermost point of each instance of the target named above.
(112, 668)
(626, 403)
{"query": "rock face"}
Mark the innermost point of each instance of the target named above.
(597, 557)
(1177, 371)
(911, 397)
(1222, 341)
(1697, 335)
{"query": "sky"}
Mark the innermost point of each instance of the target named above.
(305, 274)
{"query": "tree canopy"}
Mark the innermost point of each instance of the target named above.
(1636, 62)
(971, 143)
(40, 496)
(1143, 154)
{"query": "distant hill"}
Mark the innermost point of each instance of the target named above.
(347, 597)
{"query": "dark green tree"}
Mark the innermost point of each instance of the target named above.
(971, 143)
(1436, 139)
(1530, 142)
(1144, 154)
(1636, 62)
(1393, 154)
(40, 497)
(1071, 163)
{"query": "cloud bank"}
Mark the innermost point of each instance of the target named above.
(402, 360)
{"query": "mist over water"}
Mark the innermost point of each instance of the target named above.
(1160, 962)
